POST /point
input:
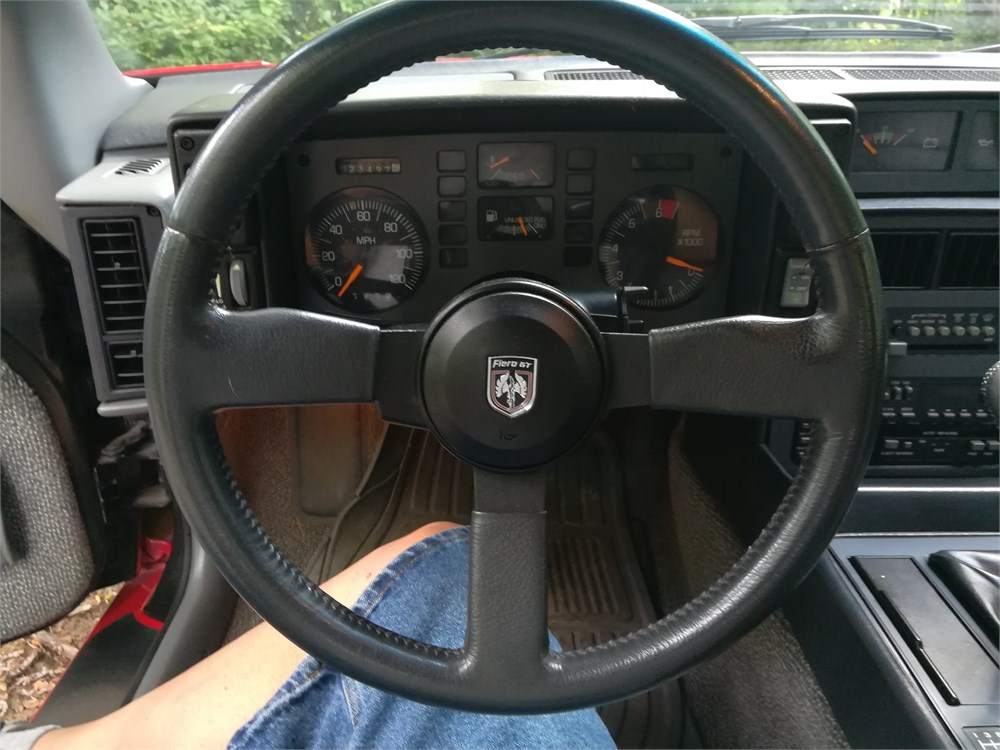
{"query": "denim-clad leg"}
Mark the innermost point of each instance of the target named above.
(421, 594)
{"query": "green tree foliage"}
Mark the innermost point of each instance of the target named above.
(155, 33)
(162, 33)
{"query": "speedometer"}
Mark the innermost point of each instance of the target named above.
(661, 238)
(365, 249)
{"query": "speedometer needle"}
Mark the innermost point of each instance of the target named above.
(496, 164)
(683, 264)
(351, 279)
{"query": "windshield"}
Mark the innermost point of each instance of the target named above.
(167, 33)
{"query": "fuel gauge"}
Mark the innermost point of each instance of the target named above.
(515, 219)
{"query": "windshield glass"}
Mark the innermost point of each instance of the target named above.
(167, 33)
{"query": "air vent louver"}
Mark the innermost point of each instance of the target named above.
(971, 260)
(140, 166)
(906, 259)
(116, 264)
(125, 363)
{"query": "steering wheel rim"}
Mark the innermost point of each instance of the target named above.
(829, 367)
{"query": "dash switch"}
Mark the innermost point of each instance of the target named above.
(797, 284)
(239, 283)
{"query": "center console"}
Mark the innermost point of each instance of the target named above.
(906, 585)
(939, 259)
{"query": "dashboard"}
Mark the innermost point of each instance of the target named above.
(569, 171)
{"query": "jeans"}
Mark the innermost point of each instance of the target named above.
(421, 594)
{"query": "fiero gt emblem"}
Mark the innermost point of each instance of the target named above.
(512, 384)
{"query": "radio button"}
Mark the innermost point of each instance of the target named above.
(976, 445)
(944, 331)
(913, 331)
(929, 330)
(958, 330)
(890, 445)
(933, 414)
(989, 330)
(993, 445)
(974, 330)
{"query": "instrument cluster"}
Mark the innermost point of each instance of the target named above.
(391, 228)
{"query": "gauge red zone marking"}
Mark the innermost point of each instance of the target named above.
(668, 208)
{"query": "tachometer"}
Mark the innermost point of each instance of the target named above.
(365, 249)
(661, 238)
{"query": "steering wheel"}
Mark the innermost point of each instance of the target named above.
(827, 367)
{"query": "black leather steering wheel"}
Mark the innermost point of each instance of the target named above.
(827, 367)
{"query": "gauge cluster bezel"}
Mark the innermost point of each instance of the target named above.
(955, 178)
(715, 163)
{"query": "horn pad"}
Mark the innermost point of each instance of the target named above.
(513, 375)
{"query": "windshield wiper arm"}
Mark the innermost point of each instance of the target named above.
(831, 26)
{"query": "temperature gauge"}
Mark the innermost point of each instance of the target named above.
(515, 219)
(904, 141)
(513, 165)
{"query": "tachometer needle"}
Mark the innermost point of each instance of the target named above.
(867, 145)
(520, 220)
(683, 264)
(351, 279)
(496, 164)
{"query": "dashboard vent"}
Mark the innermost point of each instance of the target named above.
(116, 264)
(971, 260)
(125, 364)
(906, 259)
(141, 166)
(614, 74)
(802, 74)
(924, 74)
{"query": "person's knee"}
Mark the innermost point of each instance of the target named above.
(431, 529)
(347, 585)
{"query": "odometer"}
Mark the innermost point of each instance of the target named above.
(365, 249)
(661, 238)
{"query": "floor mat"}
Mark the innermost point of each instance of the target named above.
(596, 590)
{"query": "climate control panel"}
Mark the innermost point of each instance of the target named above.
(934, 422)
(974, 328)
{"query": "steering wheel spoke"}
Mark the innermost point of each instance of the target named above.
(750, 365)
(507, 633)
(279, 356)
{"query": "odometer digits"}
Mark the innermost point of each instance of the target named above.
(365, 249)
(661, 238)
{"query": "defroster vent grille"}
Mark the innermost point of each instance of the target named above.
(906, 259)
(607, 74)
(115, 253)
(971, 260)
